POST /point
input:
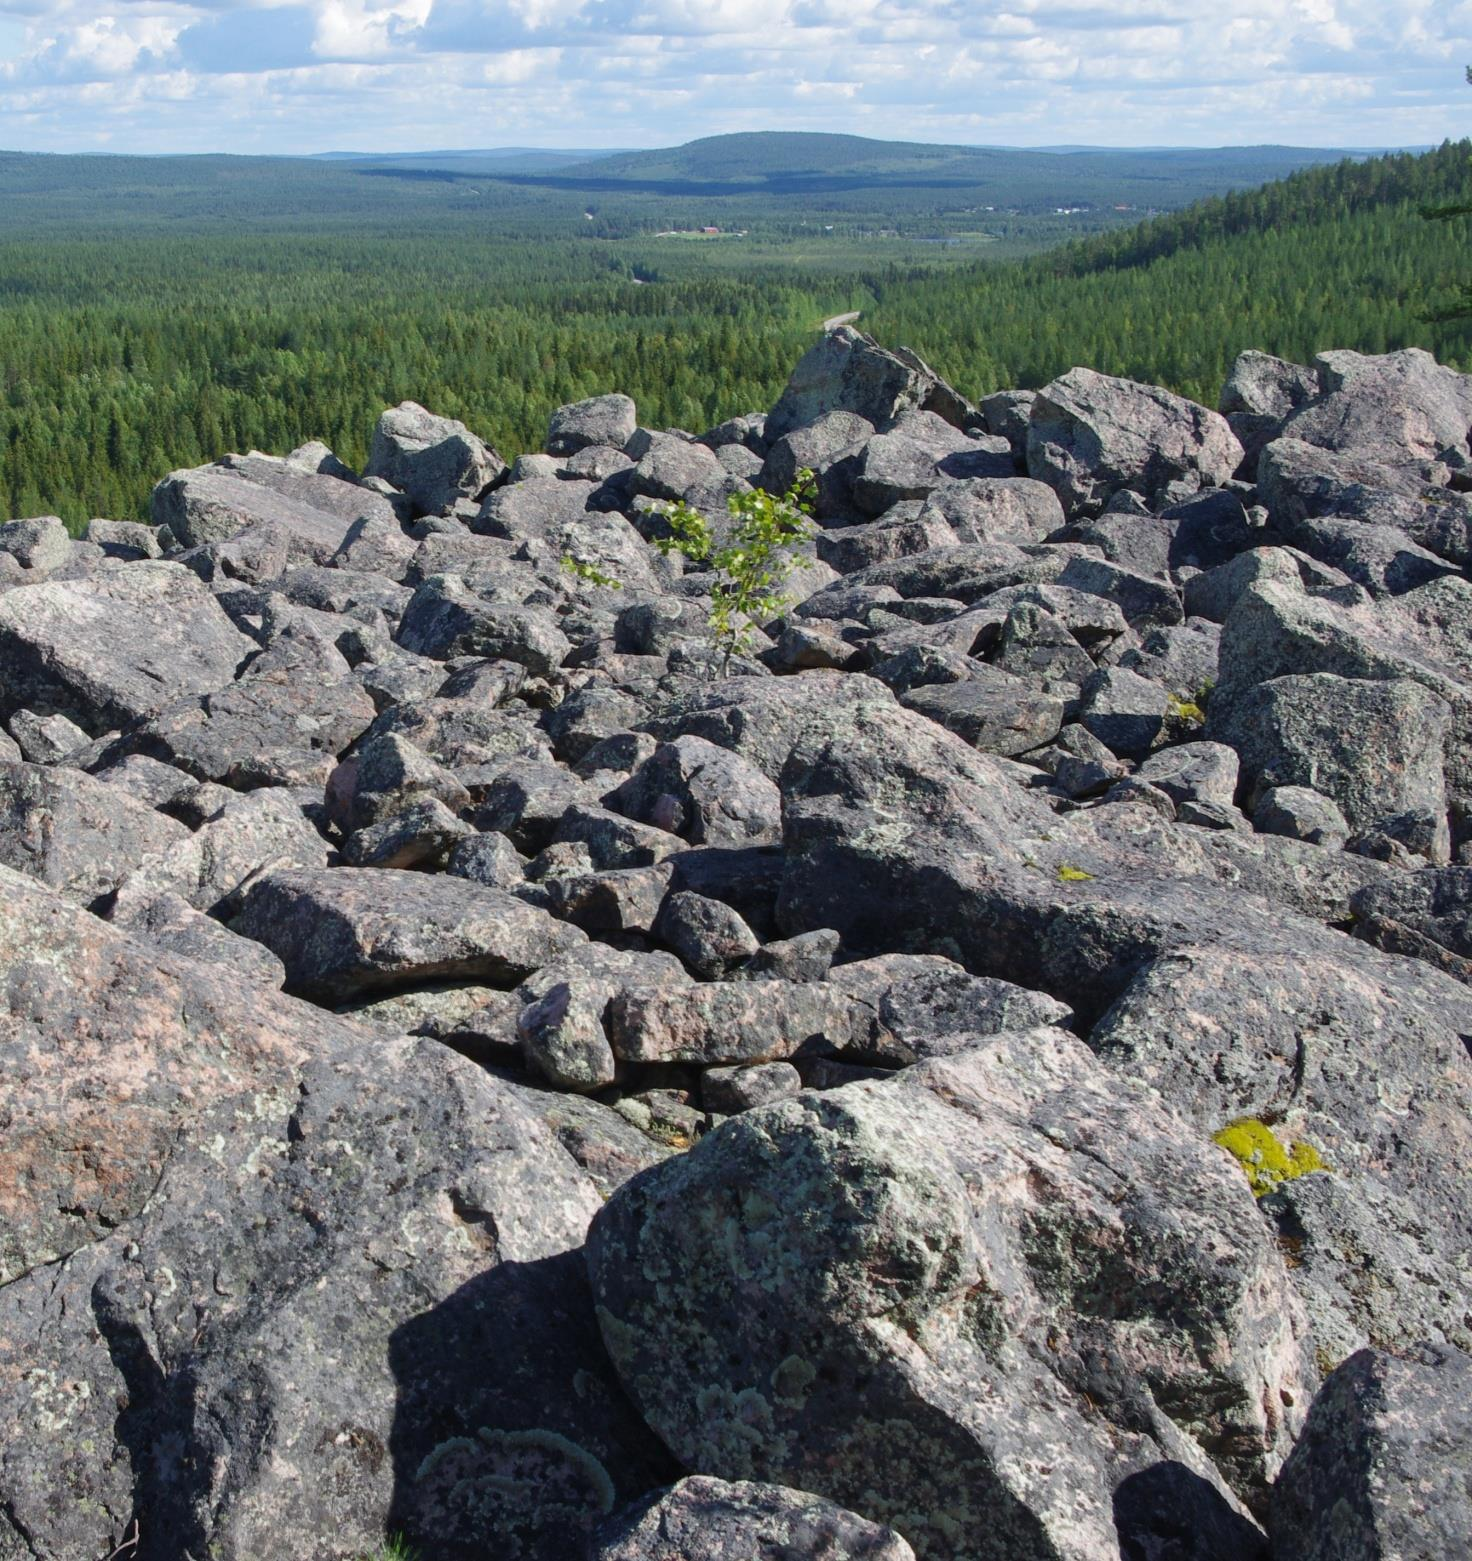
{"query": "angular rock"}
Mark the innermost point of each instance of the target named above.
(703, 793)
(1091, 435)
(111, 649)
(564, 1040)
(847, 372)
(1376, 747)
(73, 833)
(350, 930)
(1383, 1465)
(701, 1519)
(991, 710)
(248, 1248)
(747, 1021)
(600, 420)
(905, 1265)
(435, 460)
(446, 618)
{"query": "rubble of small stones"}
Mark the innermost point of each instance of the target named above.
(483, 1078)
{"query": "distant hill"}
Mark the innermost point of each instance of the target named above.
(845, 171)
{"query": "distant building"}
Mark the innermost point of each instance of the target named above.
(710, 230)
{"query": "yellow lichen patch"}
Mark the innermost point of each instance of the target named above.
(1264, 1158)
(1068, 874)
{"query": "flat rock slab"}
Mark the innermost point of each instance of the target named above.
(246, 1252)
(212, 504)
(342, 930)
(744, 1021)
(114, 647)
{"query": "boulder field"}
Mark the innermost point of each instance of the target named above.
(984, 1073)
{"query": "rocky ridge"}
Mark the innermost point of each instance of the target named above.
(986, 1077)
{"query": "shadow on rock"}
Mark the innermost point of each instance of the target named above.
(1169, 1513)
(511, 1436)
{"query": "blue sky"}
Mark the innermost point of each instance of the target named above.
(316, 75)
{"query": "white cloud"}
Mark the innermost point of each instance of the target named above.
(268, 74)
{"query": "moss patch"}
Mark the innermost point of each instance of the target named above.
(1264, 1158)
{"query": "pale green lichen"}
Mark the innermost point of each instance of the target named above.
(1266, 1161)
(1067, 874)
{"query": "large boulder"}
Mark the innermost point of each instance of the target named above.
(347, 930)
(894, 1295)
(848, 372)
(114, 647)
(212, 504)
(1384, 1466)
(247, 1251)
(1401, 406)
(74, 833)
(1375, 746)
(434, 460)
(1092, 435)
(600, 420)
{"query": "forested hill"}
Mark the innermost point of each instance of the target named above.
(799, 163)
(154, 312)
(1330, 256)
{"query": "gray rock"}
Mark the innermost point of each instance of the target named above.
(1300, 813)
(702, 1519)
(704, 794)
(600, 420)
(421, 835)
(108, 650)
(707, 934)
(1370, 1269)
(1426, 914)
(991, 710)
(73, 833)
(1091, 435)
(446, 618)
(729, 1091)
(349, 930)
(42, 544)
(1321, 1036)
(918, 455)
(168, 921)
(1374, 746)
(919, 1292)
(237, 838)
(925, 1005)
(1008, 412)
(1401, 405)
(488, 859)
(46, 739)
(1194, 772)
(247, 1252)
(386, 775)
(1383, 1466)
(743, 1021)
(564, 1040)
(435, 460)
(213, 504)
(1125, 711)
(761, 718)
(847, 372)
(283, 724)
(1263, 386)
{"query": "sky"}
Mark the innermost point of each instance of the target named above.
(295, 76)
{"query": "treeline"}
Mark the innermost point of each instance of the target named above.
(121, 362)
(1331, 257)
(127, 352)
